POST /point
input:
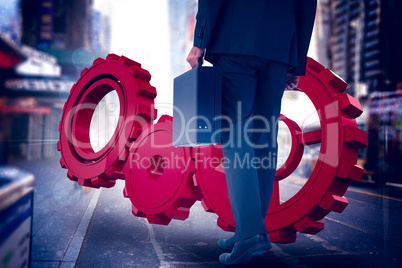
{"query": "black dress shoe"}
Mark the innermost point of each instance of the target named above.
(244, 250)
(227, 244)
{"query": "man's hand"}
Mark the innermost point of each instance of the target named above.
(292, 81)
(194, 55)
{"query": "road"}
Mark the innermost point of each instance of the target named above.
(73, 227)
(366, 234)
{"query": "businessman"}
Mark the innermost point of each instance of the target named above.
(261, 47)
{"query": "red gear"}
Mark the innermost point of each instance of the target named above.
(159, 177)
(336, 166)
(136, 97)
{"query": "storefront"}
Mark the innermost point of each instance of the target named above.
(32, 92)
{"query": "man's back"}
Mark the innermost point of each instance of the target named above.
(272, 29)
(259, 28)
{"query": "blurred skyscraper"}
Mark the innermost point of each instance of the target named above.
(44, 45)
(362, 43)
(71, 30)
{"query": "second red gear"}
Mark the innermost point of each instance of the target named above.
(159, 177)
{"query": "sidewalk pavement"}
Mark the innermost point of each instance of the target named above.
(61, 213)
(115, 238)
(76, 228)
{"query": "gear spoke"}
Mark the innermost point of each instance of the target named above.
(310, 137)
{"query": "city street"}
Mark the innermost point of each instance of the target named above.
(76, 75)
(73, 227)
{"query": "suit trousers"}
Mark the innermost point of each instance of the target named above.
(252, 89)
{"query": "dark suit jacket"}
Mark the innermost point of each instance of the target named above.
(271, 29)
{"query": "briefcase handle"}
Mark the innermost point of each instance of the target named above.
(200, 60)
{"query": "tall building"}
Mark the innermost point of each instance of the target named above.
(342, 21)
(382, 50)
(44, 45)
(364, 47)
(365, 50)
(56, 24)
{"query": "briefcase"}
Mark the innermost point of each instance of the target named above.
(197, 97)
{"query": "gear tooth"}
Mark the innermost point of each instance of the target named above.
(333, 80)
(146, 111)
(83, 72)
(225, 226)
(165, 118)
(114, 173)
(132, 69)
(332, 202)
(71, 176)
(109, 172)
(137, 213)
(128, 62)
(314, 65)
(349, 170)
(112, 57)
(350, 105)
(180, 213)
(139, 126)
(81, 182)
(62, 163)
(195, 181)
(282, 237)
(308, 226)
(125, 193)
(99, 181)
(147, 92)
(191, 192)
(206, 206)
(98, 60)
(187, 193)
(183, 202)
(122, 158)
(58, 146)
(72, 88)
(117, 175)
(135, 133)
(159, 218)
(87, 183)
(155, 112)
(196, 193)
(355, 137)
(59, 126)
(140, 73)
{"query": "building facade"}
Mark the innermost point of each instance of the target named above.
(44, 45)
(363, 43)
